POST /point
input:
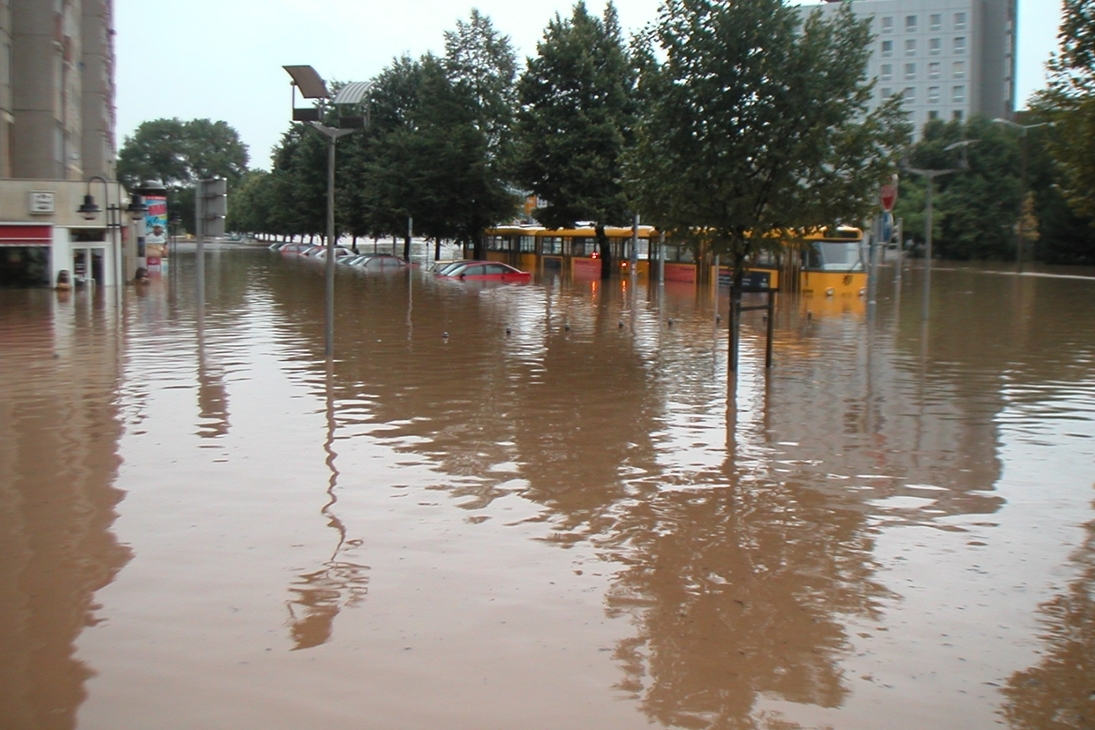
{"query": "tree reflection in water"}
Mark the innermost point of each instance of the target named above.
(1060, 691)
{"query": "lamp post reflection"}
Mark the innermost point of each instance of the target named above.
(319, 595)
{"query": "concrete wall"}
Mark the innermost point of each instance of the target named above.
(7, 116)
(97, 73)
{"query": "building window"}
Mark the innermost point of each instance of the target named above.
(887, 48)
(933, 94)
(887, 24)
(959, 70)
(887, 92)
(910, 72)
(957, 115)
(959, 21)
(910, 23)
(934, 69)
(910, 94)
(910, 47)
(887, 72)
(935, 20)
(935, 46)
(958, 95)
(933, 114)
(960, 44)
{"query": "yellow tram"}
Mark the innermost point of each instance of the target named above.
(823, 262)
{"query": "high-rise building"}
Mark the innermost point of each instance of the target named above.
(56, 89)
(57, 127)
(946, 59)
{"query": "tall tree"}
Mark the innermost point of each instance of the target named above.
(1070, 99)
(481, 63)
(755, 120)
(179, 154)
(575, 122)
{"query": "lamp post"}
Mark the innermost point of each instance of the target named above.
(312, 86)
(929, 176)
(90, 211)
(1022, 182)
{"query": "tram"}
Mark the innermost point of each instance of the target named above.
(822, 262)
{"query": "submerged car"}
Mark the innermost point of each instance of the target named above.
(378, 262)
(484, 271)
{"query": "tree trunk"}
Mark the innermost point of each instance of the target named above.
(406, 248)
(605, 251)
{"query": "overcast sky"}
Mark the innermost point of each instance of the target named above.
(222, 59)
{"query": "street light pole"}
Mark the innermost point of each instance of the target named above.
(1022, 182)
(312, 86)
(929, 176)
(332, 135)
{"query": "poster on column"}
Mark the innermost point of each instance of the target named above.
(155, 225)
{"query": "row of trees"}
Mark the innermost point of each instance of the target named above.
(733, 118)
(722, 120)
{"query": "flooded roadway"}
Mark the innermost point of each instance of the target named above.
(569, 525)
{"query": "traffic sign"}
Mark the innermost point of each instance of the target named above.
(888, 196)
(886, 232)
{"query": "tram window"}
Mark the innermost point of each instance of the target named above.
(834, 255)
(553, 245)
(527, 244)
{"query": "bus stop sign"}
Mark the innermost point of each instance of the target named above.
(888, 196)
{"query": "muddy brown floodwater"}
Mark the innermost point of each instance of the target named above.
(571, 524)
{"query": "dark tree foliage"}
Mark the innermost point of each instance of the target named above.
(577, 111)
(755, 120)
(975, 211)
(481, 63)
(298, 183)
(1070, 103)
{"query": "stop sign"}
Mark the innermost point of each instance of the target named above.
(888, 196)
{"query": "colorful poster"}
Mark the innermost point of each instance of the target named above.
(155, 231)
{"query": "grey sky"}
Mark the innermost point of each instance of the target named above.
(222, 59)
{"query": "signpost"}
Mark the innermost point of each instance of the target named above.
(887, 196)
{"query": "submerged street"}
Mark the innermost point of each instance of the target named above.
(559, 515)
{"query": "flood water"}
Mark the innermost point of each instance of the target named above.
(576, 524)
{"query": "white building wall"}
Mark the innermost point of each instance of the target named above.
(948, 59)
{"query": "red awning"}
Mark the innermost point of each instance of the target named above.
(26, 235)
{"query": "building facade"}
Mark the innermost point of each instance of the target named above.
(946, 59)
(57, 137)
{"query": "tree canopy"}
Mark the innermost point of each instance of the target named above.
(756, 120)
(179, 154)
(575, 121)
(1070, 102)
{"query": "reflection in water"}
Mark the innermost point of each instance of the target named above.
(1060, 691)
(59, 430)
(559, 499)
(212, 393)
(318, 596)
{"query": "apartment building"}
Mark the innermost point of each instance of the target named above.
(57, 135)
(946, 59)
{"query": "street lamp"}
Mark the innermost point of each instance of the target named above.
(312, 86)
(929, 176)
(1022, 182)
(90, 211)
